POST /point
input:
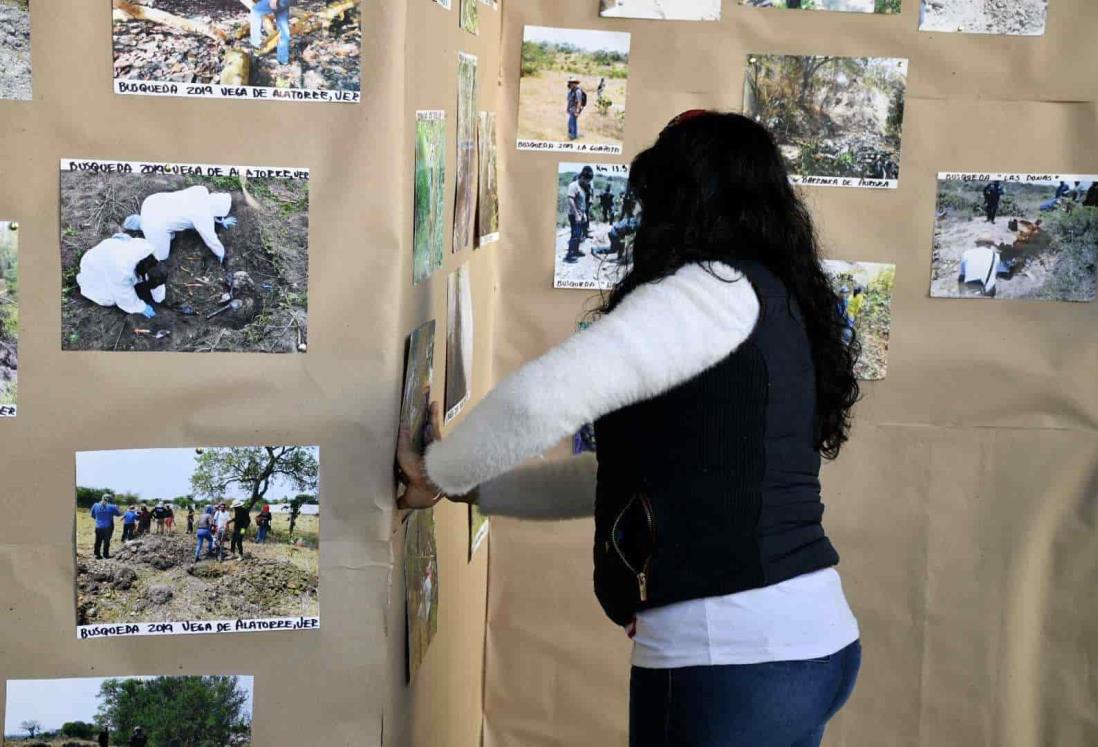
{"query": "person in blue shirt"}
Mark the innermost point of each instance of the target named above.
(281, 11)
(129, 523)
(103, 514)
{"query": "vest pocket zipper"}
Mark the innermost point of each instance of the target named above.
(650, 522)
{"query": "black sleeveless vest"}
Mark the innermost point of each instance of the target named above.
(713, 487)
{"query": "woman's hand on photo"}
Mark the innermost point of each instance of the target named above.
(420, 492)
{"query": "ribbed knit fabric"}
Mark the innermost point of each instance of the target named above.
(713, 487)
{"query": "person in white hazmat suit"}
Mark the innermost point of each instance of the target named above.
(166, 213)
(122, 271)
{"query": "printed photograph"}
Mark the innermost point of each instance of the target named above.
(419, 372)
(459, 341)
(849, 6)
(1009, 17)
(662, 10)
(478, 529)
(9, 318)
(865, 296)
(837, 120)
(597, 216)
(184, 262)
(429, 233)
(572, 91)
(488, 192)
(1029, 236)
(470, 21)
(444, 3)
(465, 205)
(179, 711)
(420, 585)
(15, 50)
(185, 535)
(304, 50)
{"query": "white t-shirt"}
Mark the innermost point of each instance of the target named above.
(221, 518)
(805, 617)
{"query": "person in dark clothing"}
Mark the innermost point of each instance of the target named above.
(577, 100)
(724, 380)
(606, 202)
(578, 200)
(190, 521)
(1091, 200)
(993, 192)
(240, 522)
(104, 737)
(263, 524)
(139, 738)
(129, 523)
(144, 520)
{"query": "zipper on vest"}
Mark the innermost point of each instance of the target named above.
(642, 573)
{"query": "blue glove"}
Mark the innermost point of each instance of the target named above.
(149, 312)
(228, 222)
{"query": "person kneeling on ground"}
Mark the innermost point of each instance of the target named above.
(165, 214)
(122, 271)
(281, 11)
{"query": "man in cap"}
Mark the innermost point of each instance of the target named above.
(103, 514)
(577, 212)
(166, 213)
(577, 100)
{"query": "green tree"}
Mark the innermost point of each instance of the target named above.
(193, 711)
(78, 730)
(253, 470)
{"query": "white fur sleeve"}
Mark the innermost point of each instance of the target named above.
(543, 489)
(661, 335)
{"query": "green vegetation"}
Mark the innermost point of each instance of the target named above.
(430, 198)
(9, 311)
(871, 310)
(542, 56)
(199, 711)
(1075, 241)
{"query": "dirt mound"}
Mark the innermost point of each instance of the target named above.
(161, 551)
(326, 59)
(1026, 17)
(15, 51)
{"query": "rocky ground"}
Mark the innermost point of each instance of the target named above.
(589, 271)
(954, 236)
(328, 59)
(1016, 17)
(154, 578)
(15, 51)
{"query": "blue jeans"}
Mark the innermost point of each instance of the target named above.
(203, 536)
(261, 533)
(773, 704)
(282, 18)
(573, 126)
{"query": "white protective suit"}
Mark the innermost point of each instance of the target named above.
(107, 274)
(165, 213)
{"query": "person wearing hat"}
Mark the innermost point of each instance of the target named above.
(241, 521)
(103, 514)
(166, 213)
(138, 738)
(122, 271)
(578, 202)
(577, 100)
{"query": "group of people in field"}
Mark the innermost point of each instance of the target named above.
(218, 522)
(137, 739)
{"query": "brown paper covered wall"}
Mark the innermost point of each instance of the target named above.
(964, 506)
(342, 685)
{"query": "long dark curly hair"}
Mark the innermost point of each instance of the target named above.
(714, 188)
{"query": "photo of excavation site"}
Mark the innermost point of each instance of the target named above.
(9, 318)
(183, 535)
(15, 49)
(847, 6)
(1013, 236)
(312, 45)
(837, 120)
(184, 263)
(662, 10)
(865, 298)
(1008, 17)
(179, 711)
(597, 217)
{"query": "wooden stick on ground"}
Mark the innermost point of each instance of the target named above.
(127, 11)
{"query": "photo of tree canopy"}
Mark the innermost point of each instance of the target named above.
(831, 116)
(181, 711)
